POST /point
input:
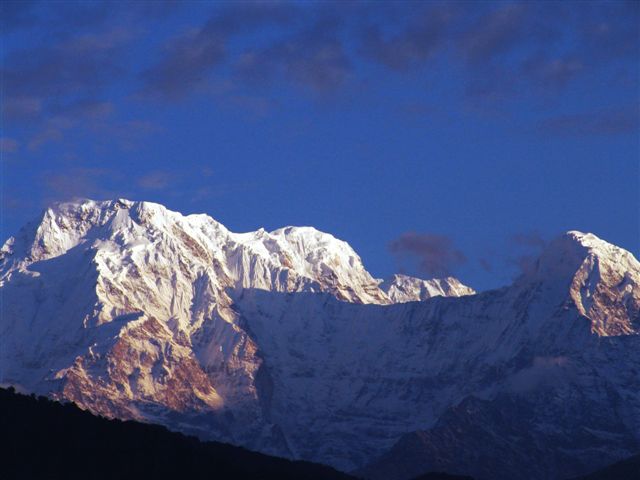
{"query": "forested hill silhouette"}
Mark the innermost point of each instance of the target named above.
(44, 439)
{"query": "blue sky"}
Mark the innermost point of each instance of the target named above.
(436, 138)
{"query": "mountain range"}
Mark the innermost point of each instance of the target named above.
(283, 343)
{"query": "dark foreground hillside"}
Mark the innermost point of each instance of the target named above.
(442, 476)
(43, 439)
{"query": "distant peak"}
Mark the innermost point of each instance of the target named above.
(403, 288)
(568, 254)
(579, 244)
(583, 238)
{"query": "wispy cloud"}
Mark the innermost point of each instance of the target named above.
(613, 121)
(529, 240)
(315, 59)
(82, 182)
(8, 145)
(416, 43)
(16, 14)
(57, 86)
(549, 44)
(436, 255)
(156, 180)
(525, 250)
(77, 64)
(185, 65)
(554, 73)
(188, 59)
(495, 33)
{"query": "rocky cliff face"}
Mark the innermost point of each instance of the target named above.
(282, 342)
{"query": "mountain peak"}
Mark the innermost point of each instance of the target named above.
(287, 259)
(585, 241)
(563, 256)
(403, 288)
(602, 280)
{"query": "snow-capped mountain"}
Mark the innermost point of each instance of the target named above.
(402, 288)
(282, 341)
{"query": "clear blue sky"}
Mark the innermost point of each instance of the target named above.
(434, 137)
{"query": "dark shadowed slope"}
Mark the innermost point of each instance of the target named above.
(493, 440)
(628, 469)
(45, 439)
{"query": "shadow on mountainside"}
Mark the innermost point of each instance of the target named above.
(511, 437)
(627, 469)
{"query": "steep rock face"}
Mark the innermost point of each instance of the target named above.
(284, 343)
(402, 288)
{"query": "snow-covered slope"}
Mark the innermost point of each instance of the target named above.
(284, 343)
(289, 259)
(402, 288)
